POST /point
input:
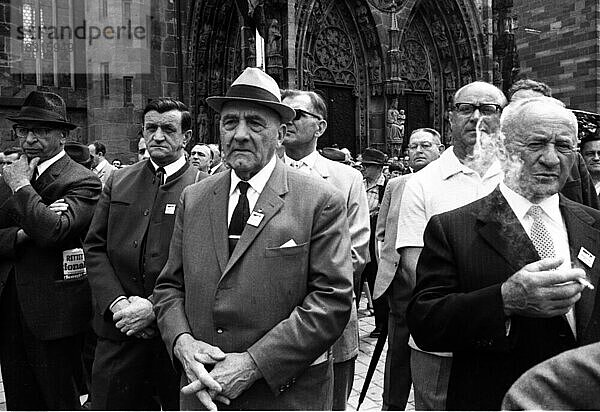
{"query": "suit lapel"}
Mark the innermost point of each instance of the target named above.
(50, 175)
(501, 228)
(581, 234)
(320, 167)
(218, 212)
(269, 203)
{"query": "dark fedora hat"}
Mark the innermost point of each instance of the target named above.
(254, 85)
(334, 154)
(79, 152)
(44, 107)
(373, 157)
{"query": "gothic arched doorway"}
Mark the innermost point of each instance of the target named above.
(440, 52)
(338, 54)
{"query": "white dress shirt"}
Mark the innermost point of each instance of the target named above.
(554, 222)
(305, 165)
(257, 184)
(171, 168)
(42, 167)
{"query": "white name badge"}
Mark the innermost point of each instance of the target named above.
(74, 264)
(255, 219)
(170, 209)
(586, 257)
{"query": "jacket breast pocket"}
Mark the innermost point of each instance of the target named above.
(273, 252)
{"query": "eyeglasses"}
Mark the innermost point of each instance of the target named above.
(23, 132)
(424, 145)
(300, 113)
(486, 109)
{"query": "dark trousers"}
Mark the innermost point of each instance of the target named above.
(343, 379)
(397, 377)
(134, 374)
(380, 305)
(37, 374)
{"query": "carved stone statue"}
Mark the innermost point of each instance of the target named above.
(395, 123)
(274, 45)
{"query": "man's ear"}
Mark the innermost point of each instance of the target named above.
(281, 133)
(322, 126)
(186, 137)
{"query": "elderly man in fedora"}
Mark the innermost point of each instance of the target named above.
(258, 284)
(45, 300)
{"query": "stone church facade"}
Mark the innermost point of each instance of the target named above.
(362, 55)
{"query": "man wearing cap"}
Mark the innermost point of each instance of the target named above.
(264, 250)
(45, 301)
(300, 144)
(374, 183)
(127, 247)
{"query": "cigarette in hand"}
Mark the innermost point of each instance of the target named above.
(585, 283)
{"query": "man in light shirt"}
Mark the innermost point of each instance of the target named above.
(501, 281)
(101, 168)
(300, 144)
(461, 175)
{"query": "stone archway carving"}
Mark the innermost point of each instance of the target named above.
(442, 51)
(337, 44)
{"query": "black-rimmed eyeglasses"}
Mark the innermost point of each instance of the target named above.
(300, 113)
(486, 109)
(23, 132)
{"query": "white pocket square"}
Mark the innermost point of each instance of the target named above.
(289, 243)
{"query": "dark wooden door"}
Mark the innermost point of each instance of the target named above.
(417, 111)
(341, 117)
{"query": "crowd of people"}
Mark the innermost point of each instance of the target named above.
(229, 278)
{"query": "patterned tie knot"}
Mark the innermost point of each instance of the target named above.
(535, 212)
(243, 186)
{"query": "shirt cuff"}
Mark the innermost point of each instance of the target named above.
(120, 298)
(20, 187)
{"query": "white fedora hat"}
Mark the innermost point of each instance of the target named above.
(254, 85)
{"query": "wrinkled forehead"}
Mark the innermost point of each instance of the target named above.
(170, 117)
(542, 114)
(480, 92)
(422, 137)
(201, 148)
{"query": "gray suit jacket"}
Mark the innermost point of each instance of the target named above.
(569, 381)
(285, 306)
(349, 182)
(387, 228)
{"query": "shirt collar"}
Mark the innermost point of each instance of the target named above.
(101, 165)
(215, 167)
(258, 181)
(42, 167)
(521, 206)
(171, 168)
(450, 165)
(309, 160)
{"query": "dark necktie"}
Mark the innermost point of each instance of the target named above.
(160, 173)
(240, 216)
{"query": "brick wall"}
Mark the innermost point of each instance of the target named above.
(565, 52)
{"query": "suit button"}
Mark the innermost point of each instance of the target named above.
(146, 212)
(219, 330)
(135, 243)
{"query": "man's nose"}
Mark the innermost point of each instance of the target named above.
(31, 137)
(596, 155)
(158, 134)
(550, 155)
(241, 131)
